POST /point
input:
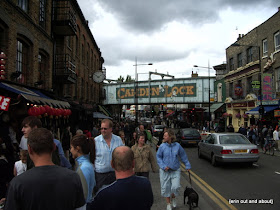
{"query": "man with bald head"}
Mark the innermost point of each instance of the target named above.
(128, 191)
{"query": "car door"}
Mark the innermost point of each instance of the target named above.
(209, 146)
(203, 146)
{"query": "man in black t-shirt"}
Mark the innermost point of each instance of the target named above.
(129, 191)
(46, 186)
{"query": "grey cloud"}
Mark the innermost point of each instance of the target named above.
(115, 53)
(151, 15)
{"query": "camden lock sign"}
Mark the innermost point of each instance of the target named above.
(178, 90)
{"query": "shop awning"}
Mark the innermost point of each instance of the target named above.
(104, 110)
(34, 96)
(255, 111)
(215, 107)
(100, 115)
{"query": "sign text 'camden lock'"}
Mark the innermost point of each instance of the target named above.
(180, 90)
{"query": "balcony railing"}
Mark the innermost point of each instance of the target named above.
(65, 69)
(64, 18)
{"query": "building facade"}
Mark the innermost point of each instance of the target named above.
(252, 78)
(47, 46)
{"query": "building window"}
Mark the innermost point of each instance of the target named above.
(249, 55)
(249, 85)
(265, 48)
(77, 46)
(277, 79)
(239, 58)
(43, 70)
(21, 62)
(231, 64)
(23, 4)
(277, 41)
(42, 15)
(230, 89)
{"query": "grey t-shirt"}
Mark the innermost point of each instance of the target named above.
(44, 188)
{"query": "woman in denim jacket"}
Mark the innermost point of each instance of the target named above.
(168, 156)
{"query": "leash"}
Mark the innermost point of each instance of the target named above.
(190, 178)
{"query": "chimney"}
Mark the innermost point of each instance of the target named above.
(239, 37)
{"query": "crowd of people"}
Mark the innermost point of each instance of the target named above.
(88, 168)
(261, 136)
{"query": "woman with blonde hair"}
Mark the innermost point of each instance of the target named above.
(83, 151)
(143, 157)
(168, 156)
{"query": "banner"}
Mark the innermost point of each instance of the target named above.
(4, 103)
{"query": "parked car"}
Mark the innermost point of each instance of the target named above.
(188, 136)
(228, 147)
(157, 129)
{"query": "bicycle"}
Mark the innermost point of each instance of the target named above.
(270, 147)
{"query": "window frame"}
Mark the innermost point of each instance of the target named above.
(277, 41)
(249, 52)
(239, 60)
(23, 4)
(42, 13)
(265, 48)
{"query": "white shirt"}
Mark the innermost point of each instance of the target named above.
(20, 167)
(23, 143)
(275, 135)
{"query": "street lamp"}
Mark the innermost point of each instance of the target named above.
(209, 117)
(136, 87)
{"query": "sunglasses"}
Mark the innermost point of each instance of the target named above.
(104, 129)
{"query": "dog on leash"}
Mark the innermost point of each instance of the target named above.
(192, 197)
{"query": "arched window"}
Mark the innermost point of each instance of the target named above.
(43, 69)
(23, 60)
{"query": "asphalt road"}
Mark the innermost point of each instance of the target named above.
(247, 187)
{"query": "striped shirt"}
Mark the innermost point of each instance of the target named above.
(103, 159)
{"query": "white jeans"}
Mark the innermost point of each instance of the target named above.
(170, 182)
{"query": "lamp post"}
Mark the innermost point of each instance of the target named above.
(209, 104)
(136, 87)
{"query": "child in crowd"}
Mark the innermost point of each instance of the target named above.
(20, 166)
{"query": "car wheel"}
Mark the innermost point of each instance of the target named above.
(199, 153)
(213, 160)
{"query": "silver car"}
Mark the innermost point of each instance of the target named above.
(228, 147)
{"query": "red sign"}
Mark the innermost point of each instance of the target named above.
(4, 103)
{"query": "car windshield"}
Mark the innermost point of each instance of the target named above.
(190, 133)
(233, 139)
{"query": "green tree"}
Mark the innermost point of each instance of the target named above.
(129, 79)
(121, 78)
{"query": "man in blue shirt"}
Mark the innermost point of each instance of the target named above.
(104, 146)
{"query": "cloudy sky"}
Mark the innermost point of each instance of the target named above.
(174, 35)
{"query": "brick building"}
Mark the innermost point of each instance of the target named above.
(50, 49)
(253, 61)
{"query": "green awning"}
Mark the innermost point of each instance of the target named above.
(215, 106)
(104, 110)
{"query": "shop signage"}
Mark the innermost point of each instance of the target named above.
(178, 90)
(256, 84)
(276, 113)
(4, 103)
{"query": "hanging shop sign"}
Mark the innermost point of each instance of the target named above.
(4, 103)
(277, 113)
(238, 90)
